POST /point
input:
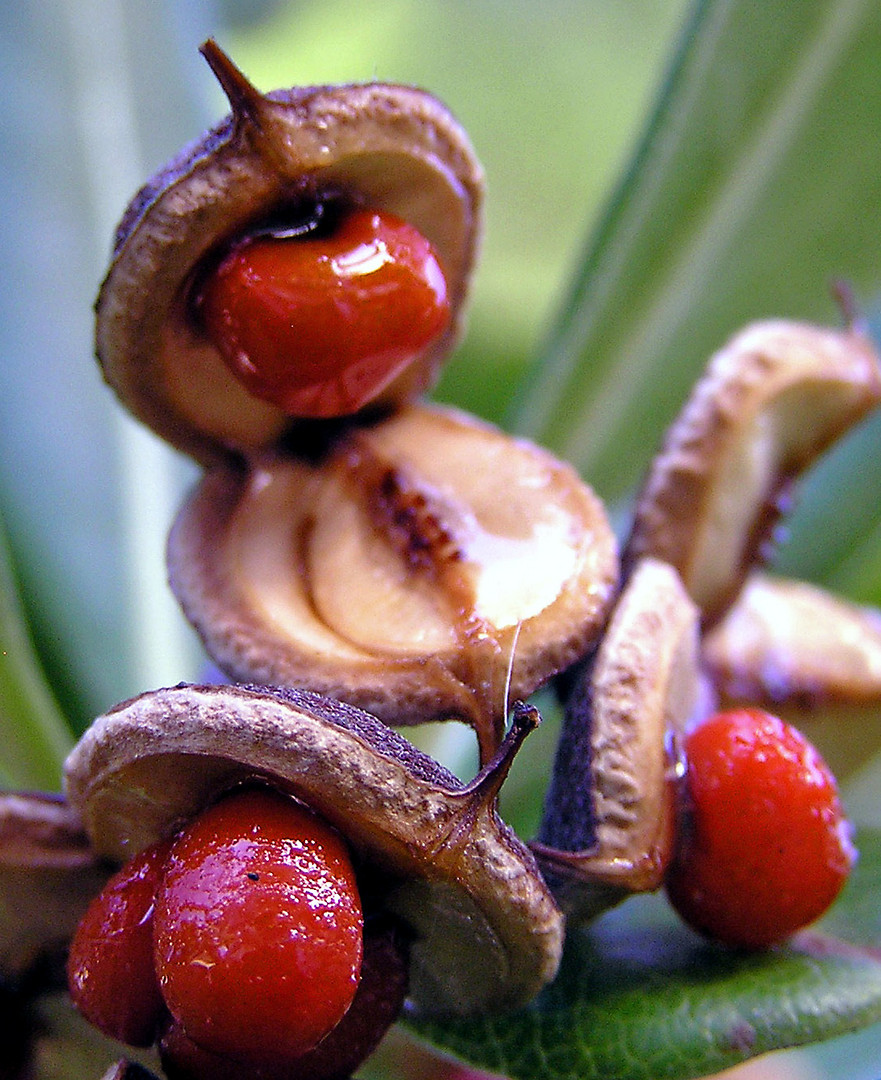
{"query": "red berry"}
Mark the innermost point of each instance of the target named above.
(318, 325)
(375, 1007)
(110, 965)
(258, 929)
(766, 847)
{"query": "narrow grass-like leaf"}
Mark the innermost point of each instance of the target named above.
(33, 733)
(95, 99)
(755, 185)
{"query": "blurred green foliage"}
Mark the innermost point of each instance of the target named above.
(618, 253)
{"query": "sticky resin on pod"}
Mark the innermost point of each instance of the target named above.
(407, 570)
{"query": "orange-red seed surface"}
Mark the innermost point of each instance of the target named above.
(766, 846)
(319, 326)
(110, 964)
(258, 928)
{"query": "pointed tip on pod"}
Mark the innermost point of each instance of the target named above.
(244, 98)
(381, 147)
(486, 931)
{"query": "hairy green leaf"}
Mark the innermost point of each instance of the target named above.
(639, 997)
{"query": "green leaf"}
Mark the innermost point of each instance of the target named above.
(33, 733)
(85, 496)
(639, 997)
(755, 185)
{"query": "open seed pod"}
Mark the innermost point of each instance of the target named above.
(432, 851)
(610, 815)
(776, 396)
(382, 147)
(407, 571)
(48, 875)
(806, 655)
(787, 643)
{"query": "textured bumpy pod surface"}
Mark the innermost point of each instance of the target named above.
(406, 571)
(774, 398)
(486, 932)
(390, 148)
(610, 819)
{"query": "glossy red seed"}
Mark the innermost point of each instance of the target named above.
(319, 326)
(766, 846)
(374, 1009)
(110, 965)
(258, 929)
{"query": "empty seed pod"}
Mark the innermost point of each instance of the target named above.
(806, 655)
(275, 166)
(432, 851)
(769, 403)
(610, 816)
(790, 644)
(48, 875)
(406, 572)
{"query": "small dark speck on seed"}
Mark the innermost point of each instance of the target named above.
(252, 876)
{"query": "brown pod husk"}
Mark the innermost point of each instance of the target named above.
(773, 399)
(386, 147)
(486, 931)
(789, 644)
(48, 875)
(407, 572)
(610, 820)
(807, 656)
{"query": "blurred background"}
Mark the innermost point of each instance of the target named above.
(99, 93)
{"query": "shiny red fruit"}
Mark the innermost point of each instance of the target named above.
(110, 965)
(766, 846)
(258, 930)
(320, 325)
(375, 1007)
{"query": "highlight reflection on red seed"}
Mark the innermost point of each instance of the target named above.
(258, 928)
(320, 325)
(767, 846)
(110, 964)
